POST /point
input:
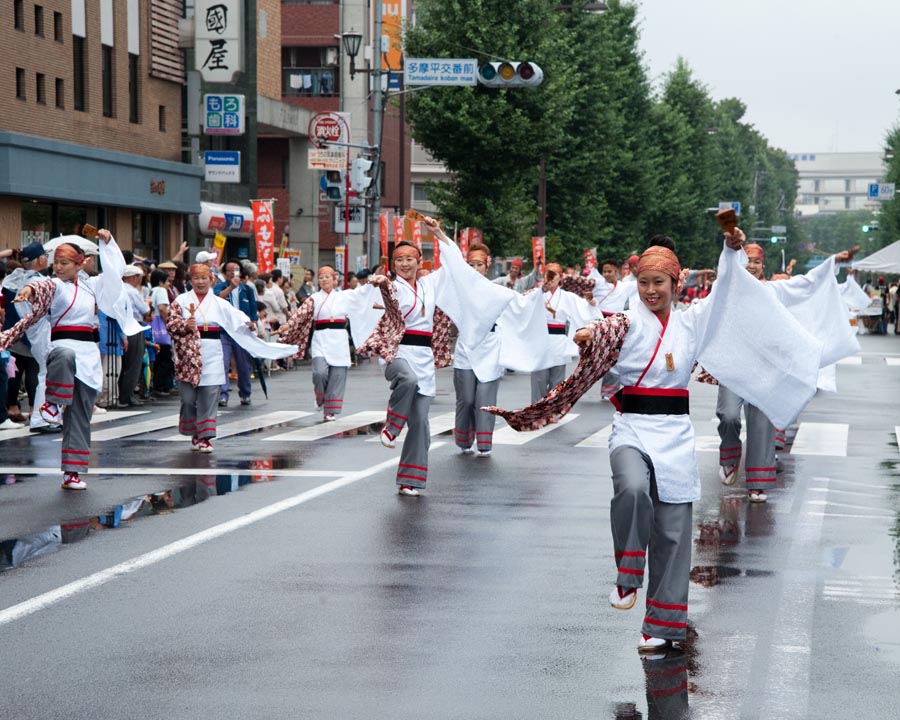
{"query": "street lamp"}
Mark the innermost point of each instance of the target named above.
(351, 41)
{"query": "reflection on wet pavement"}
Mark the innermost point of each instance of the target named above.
(15, 551)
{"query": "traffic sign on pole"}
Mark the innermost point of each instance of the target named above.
(730, 205)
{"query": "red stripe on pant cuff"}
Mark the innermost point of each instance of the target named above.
(77, 452)
(402, 417)
(763, 479)
(630, 571)
(761, 469)
(631, 553)
(671, 691)
(666, 606)
(414, 467)
(82, 463)
(56, 384)
(411, 477)
(665, 623)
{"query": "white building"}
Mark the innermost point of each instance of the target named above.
(834, 182)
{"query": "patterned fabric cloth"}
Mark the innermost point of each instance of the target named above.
(577, 285)
(440, 339)
(41, 296)
(385, 339)
(597, 358)
(298, 328)
(186, 345)
(705, 377)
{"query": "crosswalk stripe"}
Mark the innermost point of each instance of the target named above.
(321, 430)
(852, 360)
(833, 504)
(897, 435)
(508, 436)
(123, 431)
(892, 360)
(95, 420)
(437, 424)
(256, 422)
(821, 439)
(599, 439)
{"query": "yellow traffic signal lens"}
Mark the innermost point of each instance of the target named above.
(507, 71)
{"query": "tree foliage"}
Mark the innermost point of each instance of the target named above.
(622, 162)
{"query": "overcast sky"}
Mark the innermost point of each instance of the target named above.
(816, 75)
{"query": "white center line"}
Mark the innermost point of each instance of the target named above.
(821, 439)
(23, 609)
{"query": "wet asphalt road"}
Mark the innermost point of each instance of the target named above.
(309, 589)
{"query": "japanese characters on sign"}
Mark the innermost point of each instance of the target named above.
(223, 114)
(217, 39)
(264, 229)
(441, 71)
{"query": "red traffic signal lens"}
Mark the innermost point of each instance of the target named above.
(333, 176)
(526, 71)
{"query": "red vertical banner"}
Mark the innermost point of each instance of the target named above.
(464, 242)
(475, 236)
(398, 229)
(437, 252)
(537, 253)
(417, 234)
(264, 229)
(383, 233)
(590, 259)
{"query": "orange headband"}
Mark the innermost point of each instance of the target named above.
(67, 251)
(404, 244)
(199, 269)
(754, 250)
(662, 260)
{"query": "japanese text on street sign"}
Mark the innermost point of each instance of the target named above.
(357, 219)
(327, 159)
(325, 127)
(222, 166)
(393, 15)
(217, 39)
(440, 71)
(223, 114)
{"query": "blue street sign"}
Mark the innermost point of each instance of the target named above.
(734, 205)
(873, 191)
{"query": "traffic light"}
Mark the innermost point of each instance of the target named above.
(510, 74)
(359, 175)
(335, 184)
(778, 239)
(865, 228)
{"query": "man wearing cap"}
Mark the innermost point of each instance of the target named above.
(132, 358)
(210, 259)
(514, 279)
(30, 351)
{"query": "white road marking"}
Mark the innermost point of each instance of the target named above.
(831, 503)
(95, 420)
(599, 439)
(438, 424)
(508, 436)
(175, 472)
(852, 360)
(867, 486)
(822, 513)
(892, 360)
(897, 435)
(821, 439)
(256, 422)
(45, 600)
(123, 431)
(321, 430)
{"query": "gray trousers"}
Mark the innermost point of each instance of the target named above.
(759, 464)
(407, 406)
(77, 401)
(543, 381)
(198, 410)
(329, 384)
(641, 521)
(132, 360)
(474, 425)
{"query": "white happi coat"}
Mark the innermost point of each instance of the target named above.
(483, 359)
(76, 303)
(571, 312)
(337, 306)
(667, 439)
(612, 298)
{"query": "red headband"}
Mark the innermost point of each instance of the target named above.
(199, 269)
(754, 250)
(68, 251)
(662, 260)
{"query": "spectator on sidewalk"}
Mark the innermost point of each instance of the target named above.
(133, 355)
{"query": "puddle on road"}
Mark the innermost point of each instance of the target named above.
(16, 551)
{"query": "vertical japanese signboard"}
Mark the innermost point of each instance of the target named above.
(537, 253)
(464, 241)
(398, 228)
(590, 259)
(264, 229)
(340, 264)
(392, 16)
(383, 233)
(417, 235)
(218, 42)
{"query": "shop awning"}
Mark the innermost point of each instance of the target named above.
(230, 220)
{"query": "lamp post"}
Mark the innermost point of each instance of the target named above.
(351, 42)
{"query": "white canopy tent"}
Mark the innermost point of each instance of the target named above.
(886, 260)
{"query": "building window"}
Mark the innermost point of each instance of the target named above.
(60, 93)
(57, 27)
(108, 81)
(309, 71)
(848, 185)
(39, 20)
(162, 118)
(78, 75)
(20, 83)
(134, 90)
(18, 15)
(40, 88)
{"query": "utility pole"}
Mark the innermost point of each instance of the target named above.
(541, 229)
(377, 130)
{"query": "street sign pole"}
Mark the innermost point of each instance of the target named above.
(377, 121)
